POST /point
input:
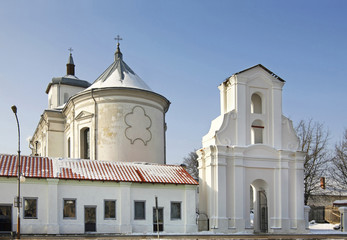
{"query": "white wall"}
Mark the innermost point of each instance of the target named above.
(52, 192)
(126, 125)
(230, 162)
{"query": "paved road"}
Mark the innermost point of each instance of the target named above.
(182, 237)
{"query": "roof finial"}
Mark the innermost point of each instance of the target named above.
(118, 53)
(70, 50)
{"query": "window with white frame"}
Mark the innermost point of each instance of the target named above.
(139, 210)
(175, 211)
(69, 208)
(30, 208)
(110, 209)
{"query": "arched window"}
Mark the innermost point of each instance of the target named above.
(257, 132)
(68, 147)
(85, 143)
(256, 105)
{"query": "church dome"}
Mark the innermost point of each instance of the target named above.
(119, 74)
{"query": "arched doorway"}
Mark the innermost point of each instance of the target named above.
(262, 210)
(259, 203)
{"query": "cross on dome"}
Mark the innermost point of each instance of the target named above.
(118, 38)
(70, 50)
(118, 54)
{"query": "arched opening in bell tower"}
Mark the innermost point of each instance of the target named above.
(256, 104)
(257, 132)
(259, 206)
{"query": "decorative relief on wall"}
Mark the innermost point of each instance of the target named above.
(84, 115)
(139, 124)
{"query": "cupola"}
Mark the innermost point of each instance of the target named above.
(60, 89)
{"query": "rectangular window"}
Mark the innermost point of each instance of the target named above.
(140, 209)
(69, 208)
(30, 208)
(175, 210)
(110, 209)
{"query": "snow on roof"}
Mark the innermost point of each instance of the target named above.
(82, 169)
(340, 202)
(119, 74)
(261, 66)
(112, 78)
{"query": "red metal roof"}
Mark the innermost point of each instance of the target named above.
(81, 169)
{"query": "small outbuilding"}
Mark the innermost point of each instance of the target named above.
(74, 196)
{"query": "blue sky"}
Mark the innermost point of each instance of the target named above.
(182, 50)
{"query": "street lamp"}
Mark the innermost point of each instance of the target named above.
(14, 109)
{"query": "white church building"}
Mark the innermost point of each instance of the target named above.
(98, 162)
(250, 169)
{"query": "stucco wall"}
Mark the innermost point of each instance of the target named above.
(51, 193)
(126, 125)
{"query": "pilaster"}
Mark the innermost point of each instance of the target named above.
(52, 206)
(125, 208)
(343, 212)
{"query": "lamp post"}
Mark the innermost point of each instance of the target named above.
(14, 109)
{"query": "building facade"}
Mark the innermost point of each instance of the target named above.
(250, 169)
(98, 162)
(66, 196)
(117, 118)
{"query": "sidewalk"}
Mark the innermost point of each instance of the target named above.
(317, 231)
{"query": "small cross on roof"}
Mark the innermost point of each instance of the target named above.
(118, 38)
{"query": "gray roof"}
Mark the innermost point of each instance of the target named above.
(68, 80)
(259, 65)
(118, 65)
(70, 60)
(119, 74)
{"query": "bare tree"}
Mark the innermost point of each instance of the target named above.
(313, 141)
(191, 162)
(339, 163)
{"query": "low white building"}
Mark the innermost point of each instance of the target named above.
(73, 196)
(249, 162)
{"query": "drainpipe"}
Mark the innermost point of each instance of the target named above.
(95, 124)
(72, 154)
(59, 94)
(165, 128)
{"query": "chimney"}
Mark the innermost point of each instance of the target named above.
(322, 182)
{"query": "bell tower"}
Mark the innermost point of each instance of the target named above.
(256, 103)
(249, 161)
(60, 89)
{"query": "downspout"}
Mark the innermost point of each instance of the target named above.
(165, 128)
(45, 153)
(95, 124)
(72, 153)
(59, 94)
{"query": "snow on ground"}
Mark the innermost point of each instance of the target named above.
(324, 228)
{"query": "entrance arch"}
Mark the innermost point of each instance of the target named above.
(260, 205)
